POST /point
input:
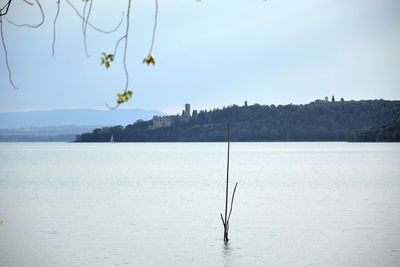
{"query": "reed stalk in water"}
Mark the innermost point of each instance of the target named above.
(225, 221)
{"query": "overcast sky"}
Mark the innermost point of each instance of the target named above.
(209, 53)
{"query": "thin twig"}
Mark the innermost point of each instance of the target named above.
(222, 218)
(6, 7)
(35, 26)
(227, 217)
(223, 223)
(126, 47)
(84, 17)
(233, 196)
(113, 107)
(6, 54)
(29, 3)
(54, 26)
(89, 12)
(90, 24)
(116, 45)
(125, 52)
(226, 222)
(84, 25)
(154, 28)
(227, 176)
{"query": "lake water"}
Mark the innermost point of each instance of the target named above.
(158, 204)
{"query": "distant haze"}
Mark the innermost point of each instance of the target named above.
(78, 117)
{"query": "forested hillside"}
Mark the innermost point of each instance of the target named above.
(317, 121)
(389, 132)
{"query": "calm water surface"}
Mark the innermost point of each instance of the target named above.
(158, 204)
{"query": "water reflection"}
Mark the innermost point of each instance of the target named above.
(228, 256)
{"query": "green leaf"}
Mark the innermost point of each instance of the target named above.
(107, 64)
(110, 57)
(149, 60)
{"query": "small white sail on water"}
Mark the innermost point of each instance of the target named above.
(112, 139)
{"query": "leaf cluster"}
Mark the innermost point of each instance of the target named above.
(149, 60)
(106, 60)
(124, 97)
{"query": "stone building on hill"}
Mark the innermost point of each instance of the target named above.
(162, 121)
(166, 121)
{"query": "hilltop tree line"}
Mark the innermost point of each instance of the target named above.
(317, 121)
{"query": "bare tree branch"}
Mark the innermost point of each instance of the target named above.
(227, 217)
(6, 54)
(89, 12)
(29, 3)
(84, 24)
(154, 29)
(83, 16)
(223, 223)
(35, 26)
(5, 7)
(112, 107)
(90, 24)
(126, 46)
(125, 52)
(54, 26)
(222, 218)
(227, 176)
(233, 196)
(116, 45)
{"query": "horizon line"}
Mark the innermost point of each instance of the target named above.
(167, 110)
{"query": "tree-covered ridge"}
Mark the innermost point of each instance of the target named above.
(317, 121)
(384, 133)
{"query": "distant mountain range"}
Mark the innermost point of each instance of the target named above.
(63, 125)
(43, 134)
(76, 117)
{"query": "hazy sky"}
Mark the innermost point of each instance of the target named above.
(208, 53)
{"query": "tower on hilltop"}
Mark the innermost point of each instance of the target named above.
(187, 110)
